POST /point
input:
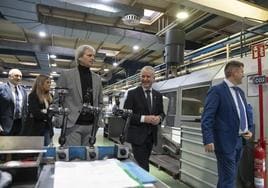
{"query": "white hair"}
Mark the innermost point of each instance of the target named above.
(13, 71)
(148, 68)
(79, 52)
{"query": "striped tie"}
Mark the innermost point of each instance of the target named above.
(17, 104)
(241, 109)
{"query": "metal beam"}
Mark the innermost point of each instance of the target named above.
(232, 9)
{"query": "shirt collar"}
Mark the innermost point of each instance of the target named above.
(229, 84)
(12, 85)
(146, 89)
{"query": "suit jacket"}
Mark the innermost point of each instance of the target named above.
(7, 105)
(74, 100)
(136, 101)
(40, 120)
(220, 121)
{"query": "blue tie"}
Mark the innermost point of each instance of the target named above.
(17, 104)
(241, 109)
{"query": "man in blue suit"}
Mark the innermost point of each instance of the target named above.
(227, 119)
(13, 104)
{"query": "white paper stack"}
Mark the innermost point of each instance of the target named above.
(97, 174)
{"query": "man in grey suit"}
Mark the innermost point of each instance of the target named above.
(13, 104)
(84, 86)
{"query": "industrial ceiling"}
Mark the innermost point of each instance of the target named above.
(113, 28)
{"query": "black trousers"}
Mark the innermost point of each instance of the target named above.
(142, 152)
(16, 128)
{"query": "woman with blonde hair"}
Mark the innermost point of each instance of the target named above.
(39, 101)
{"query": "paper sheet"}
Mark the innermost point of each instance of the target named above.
(97, 174)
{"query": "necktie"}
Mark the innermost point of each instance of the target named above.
(17, 104)
(241, 109)
(148, 99)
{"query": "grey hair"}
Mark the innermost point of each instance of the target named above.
(79, 52)
(12, 71)
(148, 68)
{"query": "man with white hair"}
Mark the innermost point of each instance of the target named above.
(148, 113)
(13, 104)
(84, 86)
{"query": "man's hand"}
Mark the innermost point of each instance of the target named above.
(209, 147)
(152, 119)
(247, 135)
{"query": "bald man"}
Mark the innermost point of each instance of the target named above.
(13, 104)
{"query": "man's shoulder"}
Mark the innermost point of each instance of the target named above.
(4, 86)
(219, 86)
(157, 92)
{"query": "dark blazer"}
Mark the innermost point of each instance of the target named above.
(7, 105)
(41, 120)
(220, 120)
(136, 101)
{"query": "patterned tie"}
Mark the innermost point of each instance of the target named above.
(241, 109)
(148, 99)
(17, 103)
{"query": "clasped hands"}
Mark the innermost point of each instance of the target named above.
(152, 119)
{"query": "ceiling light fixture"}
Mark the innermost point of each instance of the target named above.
(42, 34)
(52, 56)
(136, 47)
(131, 19)
(182, 15)
(115, 64)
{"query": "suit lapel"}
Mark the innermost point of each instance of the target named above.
(76, 76)
(231, 99)
(9, 91)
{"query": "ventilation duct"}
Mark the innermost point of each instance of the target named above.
(174, 47)
(131, 19)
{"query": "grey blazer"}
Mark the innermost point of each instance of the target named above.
(7, 105)
(74, 100)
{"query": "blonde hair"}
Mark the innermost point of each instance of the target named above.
(38, 88)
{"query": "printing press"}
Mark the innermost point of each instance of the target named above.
(29, 164)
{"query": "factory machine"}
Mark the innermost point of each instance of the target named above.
(186, 95)
(28, 163)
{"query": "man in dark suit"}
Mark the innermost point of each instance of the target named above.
(13, 104)
(147, 106)
(227, 119)
(84, 86)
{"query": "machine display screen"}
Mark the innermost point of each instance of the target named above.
(193, 100)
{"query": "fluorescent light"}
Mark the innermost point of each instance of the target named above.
(182, 15)
(42, 34)
(28, 63)
(136, 47)
(115, 64)
(53, 65)
(110, 53)
(4, 72)
(106, 70)
(97, 6)
(63, 60)
(34, 74)
(52, 56)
